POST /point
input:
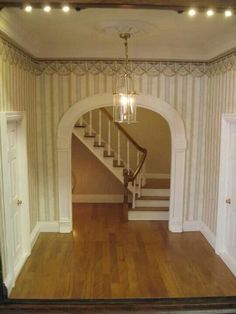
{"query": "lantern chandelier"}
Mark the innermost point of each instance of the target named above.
(124, 96)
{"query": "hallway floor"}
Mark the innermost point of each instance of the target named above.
(105, 258)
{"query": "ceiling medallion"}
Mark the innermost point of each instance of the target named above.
(132, 27)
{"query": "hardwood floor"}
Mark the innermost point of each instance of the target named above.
(106, 258)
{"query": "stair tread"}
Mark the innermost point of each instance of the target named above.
(157, 184)
(96, 144)
(153, 198)
(89, 135)
(106, 154)
(151, 209)
(115, 164)
(80, 126)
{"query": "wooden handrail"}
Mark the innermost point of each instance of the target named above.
(129, 176)
(123, 131)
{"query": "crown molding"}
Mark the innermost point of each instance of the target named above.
(12, 52)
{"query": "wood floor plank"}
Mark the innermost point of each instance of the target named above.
(105, 257)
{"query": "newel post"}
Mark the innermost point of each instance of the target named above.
(126, 194)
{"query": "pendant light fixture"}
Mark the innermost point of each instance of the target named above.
(124, 96)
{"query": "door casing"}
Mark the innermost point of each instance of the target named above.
(227, 120)
(10, 274)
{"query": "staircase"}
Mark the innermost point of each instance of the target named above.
(153, 203)
(148, 198)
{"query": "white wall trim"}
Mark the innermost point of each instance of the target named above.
(20, 117)
(209, 235)
(43, 226)
(34, 234)
(193, 225)
(157, 175)
(229, 262)
(97, 198)
(222, 193)
(178, 152)
(9, 282)
(197, 225)
(49, 226)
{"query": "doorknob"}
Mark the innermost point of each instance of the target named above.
(19, 202)
(228, 201)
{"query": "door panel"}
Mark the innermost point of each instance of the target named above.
(230, 238)
(14, 191)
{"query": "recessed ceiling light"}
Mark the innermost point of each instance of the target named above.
(28, 8)
(47, 8)
(192, 12)
(210, 12)
(228, 13)
(65, 8)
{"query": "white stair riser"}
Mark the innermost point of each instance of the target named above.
(155, 192)
(148, 215)
(152, 203)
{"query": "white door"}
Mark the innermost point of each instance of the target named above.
(15, 204)
(230, 221)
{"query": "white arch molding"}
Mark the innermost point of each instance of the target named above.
(178, 150)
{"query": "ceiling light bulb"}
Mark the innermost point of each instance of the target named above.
(192, 12)
(47, 8)
(66, 8)
(210, 12)
(28, 8)
(228, 13)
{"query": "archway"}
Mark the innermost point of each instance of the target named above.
(178, 149)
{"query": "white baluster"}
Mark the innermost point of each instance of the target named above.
(128, 159)
(90, 122)
(109, 138)
(134, 194)
(118, 156)
(138, 157)
(139, 185)
(99, 128)
(143, 174)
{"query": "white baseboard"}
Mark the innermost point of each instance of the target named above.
(34, 234)
(9, 283)
(229, 262)
(65, 226)
(197, 225)
(176, 226)
(97, 198)
(157, 175)
(192, 225)
(49, 226)
(20, 264)
(208, 234)
(43, 226)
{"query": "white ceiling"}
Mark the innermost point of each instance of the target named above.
(164, 34)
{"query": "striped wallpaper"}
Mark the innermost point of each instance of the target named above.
(17, 93)
(221, 98)
(200, 93)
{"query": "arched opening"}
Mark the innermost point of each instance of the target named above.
(178, 148)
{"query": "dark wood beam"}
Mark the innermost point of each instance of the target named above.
(177, 5)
